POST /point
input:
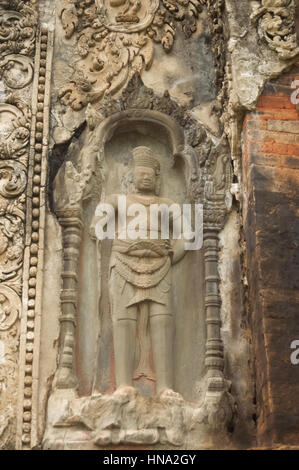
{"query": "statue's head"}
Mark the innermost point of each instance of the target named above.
(146, 169)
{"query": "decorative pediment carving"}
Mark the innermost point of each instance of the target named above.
(116, 38)
(127, 15)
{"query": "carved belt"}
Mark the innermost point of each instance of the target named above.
(142, 274)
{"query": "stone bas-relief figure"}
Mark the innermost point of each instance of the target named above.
(140, 283)
(138, 276)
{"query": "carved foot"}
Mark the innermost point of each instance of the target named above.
(65, 378)
(103, 438)
(169, 395)
(125, 393)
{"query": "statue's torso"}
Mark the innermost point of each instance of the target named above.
(143, 263)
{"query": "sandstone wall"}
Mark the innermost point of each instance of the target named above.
(207, 85)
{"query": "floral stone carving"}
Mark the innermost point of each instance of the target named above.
(275, 20)
(116, 38)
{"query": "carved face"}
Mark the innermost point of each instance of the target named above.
(145, 178)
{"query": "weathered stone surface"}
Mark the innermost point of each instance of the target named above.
(271, 229)
(83, 83)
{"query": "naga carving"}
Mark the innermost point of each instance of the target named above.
(116, 38)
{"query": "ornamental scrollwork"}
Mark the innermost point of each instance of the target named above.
(18, 21)
(10, 307)
(275, 20)
(115, 39)
(16, 71)
(15, 129)
(11, 237)
(15, 119)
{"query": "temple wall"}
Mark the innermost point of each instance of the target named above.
(209, 87)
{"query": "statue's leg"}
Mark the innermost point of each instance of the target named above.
(124, 337)
(161, 322)
(124, 321)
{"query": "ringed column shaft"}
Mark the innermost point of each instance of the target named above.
(71, 235)
(214, 360)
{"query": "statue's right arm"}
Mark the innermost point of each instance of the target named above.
(100, 212)
(112, 199)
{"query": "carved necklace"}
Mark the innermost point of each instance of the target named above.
(147, 200)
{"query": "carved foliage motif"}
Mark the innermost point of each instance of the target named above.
(8, 372)
(115, 38)
(10, 307)
(15, 124)
(17, 27)
(18, 23)
(275, 20)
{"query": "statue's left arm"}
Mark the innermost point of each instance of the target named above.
(179, 251)
(178, 246)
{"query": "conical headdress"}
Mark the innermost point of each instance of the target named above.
(143, 156)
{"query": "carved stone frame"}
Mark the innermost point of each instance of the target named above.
(203, 156)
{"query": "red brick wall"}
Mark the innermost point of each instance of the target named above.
(271, 224)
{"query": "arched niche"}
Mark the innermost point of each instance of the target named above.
(197, 168)
(115, 139)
